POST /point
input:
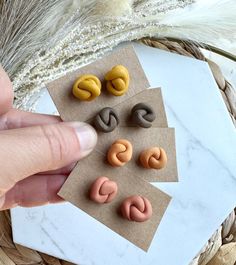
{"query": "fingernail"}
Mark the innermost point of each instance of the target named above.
(87, 137)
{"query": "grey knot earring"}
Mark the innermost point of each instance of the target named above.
(143, 115)
(106, 120)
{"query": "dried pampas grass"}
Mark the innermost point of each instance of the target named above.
(41, 40)
(207, 22)
(113, 8)
(24, 27)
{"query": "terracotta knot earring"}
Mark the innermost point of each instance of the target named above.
(103, 190)
(120, 153)
(136, 208)
(153, 158)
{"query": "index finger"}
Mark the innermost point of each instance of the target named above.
(15, 119)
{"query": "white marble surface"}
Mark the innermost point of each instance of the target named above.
(205, 195)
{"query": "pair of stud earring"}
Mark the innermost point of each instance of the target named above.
(135, 208)
(142, 115)
(121, 152)
(88, 87)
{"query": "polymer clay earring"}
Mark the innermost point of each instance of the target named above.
(143, 115)
(106, 120)
(103, 190)
(153, 158)
(136, 208)
(87, 87)
(118, 80)
(120, 153)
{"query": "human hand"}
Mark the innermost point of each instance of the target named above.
(37, 152)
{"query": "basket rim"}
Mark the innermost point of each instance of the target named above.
(201, 45)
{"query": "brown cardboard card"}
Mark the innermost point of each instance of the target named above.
(72, 109)
(77, 186)
(142, 139)
(152, 97)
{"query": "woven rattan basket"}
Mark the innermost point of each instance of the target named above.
(219, 250)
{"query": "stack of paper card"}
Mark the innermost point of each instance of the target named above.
(132, 179)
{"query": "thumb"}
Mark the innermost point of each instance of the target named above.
(28, 151)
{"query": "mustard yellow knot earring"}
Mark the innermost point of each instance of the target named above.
(87, 87)
(118, 80)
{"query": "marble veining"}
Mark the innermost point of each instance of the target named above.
(195, 142)
(205, 195)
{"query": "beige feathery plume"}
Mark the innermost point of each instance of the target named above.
(41, 40)
(113, 8)
(205, 22)
(24, 26)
